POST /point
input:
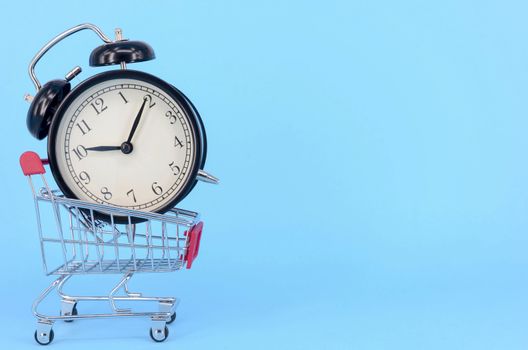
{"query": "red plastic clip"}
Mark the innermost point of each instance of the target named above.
(32, 164)
(195, 236)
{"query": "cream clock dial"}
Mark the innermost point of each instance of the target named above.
(128, 139)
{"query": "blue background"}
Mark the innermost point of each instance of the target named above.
(373, 165)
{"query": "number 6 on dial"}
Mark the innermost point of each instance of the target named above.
(128, 139)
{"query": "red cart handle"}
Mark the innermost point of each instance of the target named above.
(31, 164)
(195, 234)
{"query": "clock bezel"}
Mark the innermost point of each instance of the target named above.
(202, 132)
(196, 126)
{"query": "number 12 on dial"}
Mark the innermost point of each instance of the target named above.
(128, 139)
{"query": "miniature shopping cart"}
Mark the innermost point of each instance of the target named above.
(74, 240)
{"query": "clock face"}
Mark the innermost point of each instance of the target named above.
(127, 139)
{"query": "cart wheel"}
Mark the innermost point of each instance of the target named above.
(74, 312)
(159, 335)
(173, 317)
(44, 338)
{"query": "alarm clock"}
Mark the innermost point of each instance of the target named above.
(123, 137)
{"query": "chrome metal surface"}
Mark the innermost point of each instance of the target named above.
(80, 243)
(159, 331)
(73, 73)
(118, 34)
(67, 306)
(206, 177)
(43, 333)
(119, 37)
(76, 242)
(57, 39)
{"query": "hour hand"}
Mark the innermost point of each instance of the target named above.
(103, 148)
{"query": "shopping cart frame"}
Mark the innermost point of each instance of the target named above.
(89, 245)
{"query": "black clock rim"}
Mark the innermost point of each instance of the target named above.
(203, 133)
(148, 78)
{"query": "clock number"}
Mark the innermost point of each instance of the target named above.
(123, 97)
(83, 126)
(171, 116)
(106, 193)
(175, 169)
(80, 152)
(99, 106)
(157, 188)
(83, 175)
(149, 99)
(133, 195)
(177, 142)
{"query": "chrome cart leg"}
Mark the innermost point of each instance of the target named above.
(111, 296)
(130, 294)
(44, 333)
(68, 308)
(43, 295)
(61, 285)
(68, 303)
(168, 306)
(166, 301)
(158, 331)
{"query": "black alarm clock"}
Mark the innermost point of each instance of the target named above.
(122, 137)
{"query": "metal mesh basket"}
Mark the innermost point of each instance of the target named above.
(76, 241)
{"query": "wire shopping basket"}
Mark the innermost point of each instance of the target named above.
(76, 241)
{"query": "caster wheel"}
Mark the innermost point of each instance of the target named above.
(73, 313)
(173, 317)
(44, 338)
(159, 335)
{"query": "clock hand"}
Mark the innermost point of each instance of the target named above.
(103, 148)
(136, 122)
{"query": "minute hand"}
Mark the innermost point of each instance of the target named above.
(136, 121)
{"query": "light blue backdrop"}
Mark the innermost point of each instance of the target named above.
(373, 165)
